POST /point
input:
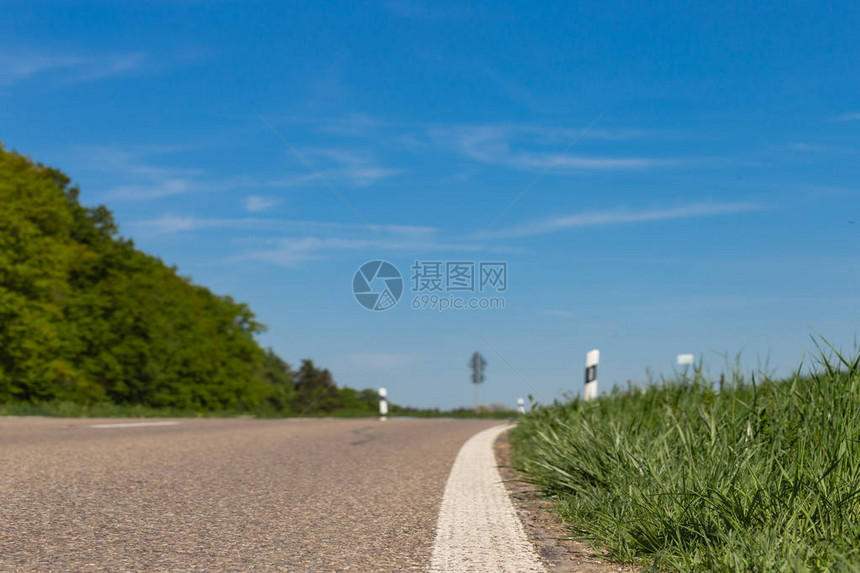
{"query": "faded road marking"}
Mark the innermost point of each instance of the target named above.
(478, 530)
(133, 425)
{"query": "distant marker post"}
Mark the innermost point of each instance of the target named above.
(521, 406)
(686, 360)
(383, 405)
(591, 360)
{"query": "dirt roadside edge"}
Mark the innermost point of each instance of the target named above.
(545, 530)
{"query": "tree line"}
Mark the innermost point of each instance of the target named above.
(85, 317)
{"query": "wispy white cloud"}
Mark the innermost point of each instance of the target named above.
(293, 250)
(258, 204)
(302, 241)
(290, 251)
(287, 182)
(380, 361)
(807, 147)
(618, 217)
(136, 174)
(853, 116)
(354, 125)
(521, 146)
(169, 224)
(16, 67)
(583, 162)
(130, 161)
(357, 168)
(139, 173)
(560, 313)
(155, 190)
(518, 147)
(104, 67)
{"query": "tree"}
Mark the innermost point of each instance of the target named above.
(316, 390)
(279, 377)
(35, 256)
(85, 316)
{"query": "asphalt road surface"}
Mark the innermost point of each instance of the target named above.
(223, 495)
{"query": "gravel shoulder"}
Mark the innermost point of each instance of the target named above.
(550, 536)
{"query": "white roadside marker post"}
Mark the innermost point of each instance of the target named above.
(686, 360)
(521, 406)
(591, 360)
(383, 405)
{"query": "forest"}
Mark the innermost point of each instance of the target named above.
(86, 318)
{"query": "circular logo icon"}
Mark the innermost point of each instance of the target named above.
(377, 285)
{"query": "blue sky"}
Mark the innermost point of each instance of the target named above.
(659, 179)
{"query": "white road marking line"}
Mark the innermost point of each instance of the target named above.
(478, 529)
(133, 425)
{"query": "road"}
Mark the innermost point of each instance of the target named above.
(225, 495)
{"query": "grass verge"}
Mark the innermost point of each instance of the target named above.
(761, 476)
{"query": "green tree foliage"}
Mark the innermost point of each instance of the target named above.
(281, 392)
(89, 321)
(316, 390)
(35, 255)
(361, 400)
(85, 317)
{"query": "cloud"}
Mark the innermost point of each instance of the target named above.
(129, 160)
(358, 168)
(16, 68)
(560, 313)
(257, 204)
(582, 162)
(69, 68)
(853, 116)
(109, 66)
(807, 147)
(514, 147)
(170, 224)
(137, 177)
(618, 217)
(354, 125)
(380, 361)
(290, 251)
(295, 181)
(156, 190)
(313, 240)
(145, 180)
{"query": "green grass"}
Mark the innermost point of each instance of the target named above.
(762, 476)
